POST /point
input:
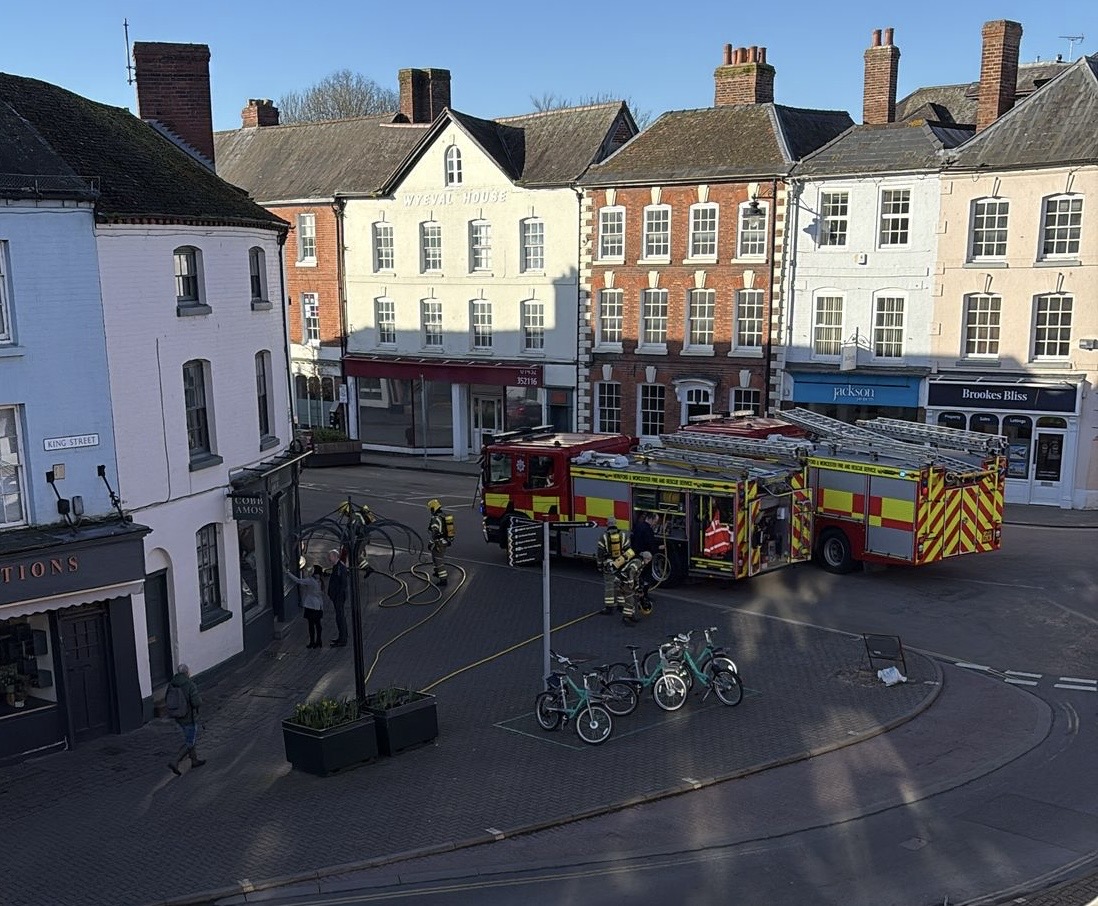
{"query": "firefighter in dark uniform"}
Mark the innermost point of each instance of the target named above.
(438, 538)
(610, 556)
(630, 585)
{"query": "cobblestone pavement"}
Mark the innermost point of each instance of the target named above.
(111, 806)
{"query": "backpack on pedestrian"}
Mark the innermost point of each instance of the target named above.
(175, 700)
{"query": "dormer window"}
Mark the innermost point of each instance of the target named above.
(453, 166)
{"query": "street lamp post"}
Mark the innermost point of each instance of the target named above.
(353, 528)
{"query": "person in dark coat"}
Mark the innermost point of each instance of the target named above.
(644, 539)
(188, 723)
(338, 579)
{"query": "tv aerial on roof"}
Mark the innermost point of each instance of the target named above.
(1072, 41)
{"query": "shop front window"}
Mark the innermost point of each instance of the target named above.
(402, 413)
(560, 409)
(1019, 434)
(984, 423)
(524, 409)
(953, 420)
(26, 665)
(253, 590)
(315, 399)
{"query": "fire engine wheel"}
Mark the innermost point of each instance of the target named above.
(834, 552)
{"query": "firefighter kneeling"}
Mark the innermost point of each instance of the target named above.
(630, 589)
(440, 531)
(610, 556)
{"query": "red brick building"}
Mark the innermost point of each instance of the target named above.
(683, 256)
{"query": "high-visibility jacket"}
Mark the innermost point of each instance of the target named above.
(718, 537)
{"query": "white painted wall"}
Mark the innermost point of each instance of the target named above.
(147, 345)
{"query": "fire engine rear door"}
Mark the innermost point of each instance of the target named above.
(890, 523)
(964, 524)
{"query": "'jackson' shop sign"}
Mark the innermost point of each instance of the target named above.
(1027, 397)
(897, 390)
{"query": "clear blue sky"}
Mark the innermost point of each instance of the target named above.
(662, 55)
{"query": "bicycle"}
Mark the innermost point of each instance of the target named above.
(716, 673)
(665, 679)
(710, 652)
(555, 706)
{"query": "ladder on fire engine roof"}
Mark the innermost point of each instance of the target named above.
(713, 462)
(777, 447)
(847, 438)
(938, 435)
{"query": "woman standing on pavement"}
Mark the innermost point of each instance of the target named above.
(312, 601)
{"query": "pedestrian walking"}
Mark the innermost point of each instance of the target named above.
(440, 533)
(630, 589)
(312, 601)
(338, 580)
(183, 701)
(610, 556)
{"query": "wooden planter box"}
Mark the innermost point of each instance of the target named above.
(323, 752)
(411, 723)
(335, 453)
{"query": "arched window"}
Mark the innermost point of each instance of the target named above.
(453, 166)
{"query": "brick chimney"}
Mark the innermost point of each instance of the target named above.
(998, 70)
(882, 65)
(173, 88)
(259, 112)
(744, 78)
(424, 93)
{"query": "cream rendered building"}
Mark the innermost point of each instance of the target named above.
(1015, 329)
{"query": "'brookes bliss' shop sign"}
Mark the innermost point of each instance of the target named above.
(1028, 397)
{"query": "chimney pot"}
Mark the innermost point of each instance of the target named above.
(727, 54)
(876, 37)
(888, 36)
(754, 58)
(762, 54)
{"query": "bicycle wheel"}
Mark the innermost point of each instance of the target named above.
(545, 709)
(650, 662)
(593, 724)
(719, 662)
(619, 672)
(669, 691)
(728, 687)
(619, 698)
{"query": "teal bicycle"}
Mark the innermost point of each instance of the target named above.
(711, 652)
(664, 677)
(566, 700)
(712, 668)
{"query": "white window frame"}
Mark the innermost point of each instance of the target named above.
(990, 230)
(834, 218)
(647, 397)
(612, 215)
(202, 424)
(650, 323)
(430, 247)
(742, 399)
(692, 391)
(257, 274)
(453, 166)
(1056, 331)
(211, 599)
(604, 338)
(7, 330)
(480, 324)
(980, 337)
(894, 224)
(1073, 234)
(310, 319)
(749, 239)
(480, 246)
(532, 312)
(306, 239)
(694, 234)
(187, 262)
(747, 324)
(264, 394)
(702, 344)
(889, 325)
(385, 321)
(431, 321)
(533, 245)
(827, 333)
(384, 247)
(656, 234)
(12, 470)
(608, 417)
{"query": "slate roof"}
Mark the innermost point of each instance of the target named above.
(957, 103)
(139, 173)
(893, 148)
(368, 156)
(1051, 127)
(741, 141)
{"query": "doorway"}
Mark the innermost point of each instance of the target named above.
(85, 650)
(1048, 460)
(158, 628)
(487, 419)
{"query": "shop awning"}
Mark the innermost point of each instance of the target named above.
(453, 371)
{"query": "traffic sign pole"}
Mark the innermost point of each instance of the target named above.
(546, 623)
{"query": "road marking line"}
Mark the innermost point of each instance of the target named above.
(1023, 673)
(1075, 679)
(1021, 682)
(971, 666)
(1076, 688)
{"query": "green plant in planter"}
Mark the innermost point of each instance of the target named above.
(328, 435)
(325, 713)
(390, 697)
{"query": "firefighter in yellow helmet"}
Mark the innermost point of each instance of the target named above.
(440, 534)
(629, 585)
(610, 556)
